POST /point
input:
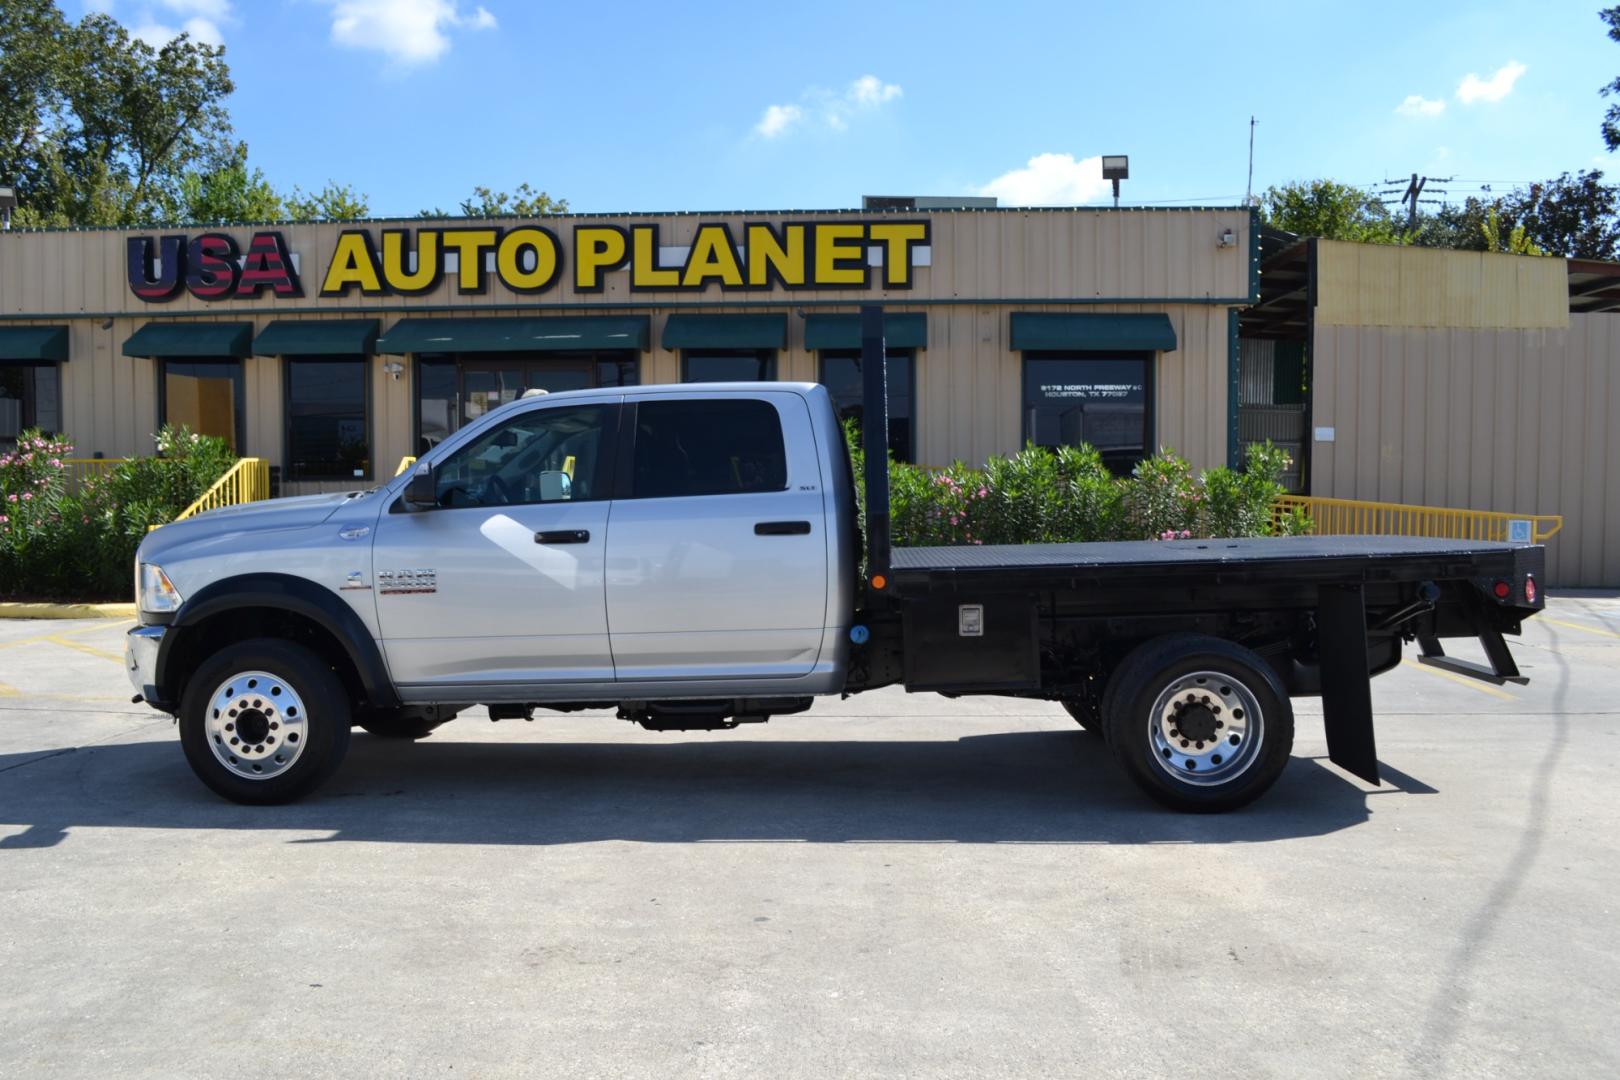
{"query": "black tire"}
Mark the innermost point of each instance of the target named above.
(295, 674)
(1195, 680)
(394, 724)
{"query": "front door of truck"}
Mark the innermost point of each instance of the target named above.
(502, 582)
(717, 549)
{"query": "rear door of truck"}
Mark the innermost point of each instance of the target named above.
(717, 553)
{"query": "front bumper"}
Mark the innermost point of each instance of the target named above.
(140, 658)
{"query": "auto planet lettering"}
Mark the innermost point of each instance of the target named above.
(533, 258)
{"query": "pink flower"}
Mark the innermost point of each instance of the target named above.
(56, 463)
(3, 519)
(27, 495)
(984, 493)
(11, 498)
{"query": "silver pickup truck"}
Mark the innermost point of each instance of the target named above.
(694, 556)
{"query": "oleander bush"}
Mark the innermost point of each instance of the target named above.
(77, 542)
(1067, 494)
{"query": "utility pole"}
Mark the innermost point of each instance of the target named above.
(1248, 190)
(1412, 194)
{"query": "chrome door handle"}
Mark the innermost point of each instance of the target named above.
(782, 528)
(563, 536)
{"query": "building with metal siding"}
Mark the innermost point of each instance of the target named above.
(123, 363)
(1449, 378)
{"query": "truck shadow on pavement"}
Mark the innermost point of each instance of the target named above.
(1041, 787)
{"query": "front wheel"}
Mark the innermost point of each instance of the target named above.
(264, 721)
(1200, 723)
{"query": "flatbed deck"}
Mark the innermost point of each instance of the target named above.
(1339, 559)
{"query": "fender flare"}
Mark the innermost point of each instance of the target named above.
(284, 592)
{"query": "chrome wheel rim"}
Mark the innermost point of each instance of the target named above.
(1205, 728)
(256, 724)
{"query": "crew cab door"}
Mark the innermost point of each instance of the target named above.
(717, 547)
(502, 581)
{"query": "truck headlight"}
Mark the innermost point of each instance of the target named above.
(158, 595)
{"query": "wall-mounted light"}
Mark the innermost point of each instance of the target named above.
(1227, 239)
(394, 368)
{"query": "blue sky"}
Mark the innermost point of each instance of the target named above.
(694, 106)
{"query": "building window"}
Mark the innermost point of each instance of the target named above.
(457, 388)
(1098, 398)
(328, 433)
(30, 397)
(841, 375)
(728, 365)
(205, 396)
(715, 447)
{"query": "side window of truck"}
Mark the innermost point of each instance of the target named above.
(547, 455)
(717, 446)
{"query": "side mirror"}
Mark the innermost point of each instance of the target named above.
(422, 490)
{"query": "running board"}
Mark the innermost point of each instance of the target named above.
(1502, 669)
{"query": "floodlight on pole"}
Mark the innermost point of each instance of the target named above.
(1116, 167)
(8, 203)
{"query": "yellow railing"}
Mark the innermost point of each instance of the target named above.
(247, 481)
(1356, 517)
(404, 463)
(81, 470)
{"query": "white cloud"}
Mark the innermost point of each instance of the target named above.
(1418, 105)
(199, 18)
(1498, 86)
(778, 119)
(409, 31)
(832, 108)
(1051, 180)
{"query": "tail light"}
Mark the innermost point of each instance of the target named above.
(1530, 591)
(1502, 589)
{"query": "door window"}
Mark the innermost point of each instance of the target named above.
(714, 447)
(327, 435)
(1096, 398)
(205, 396)
(542, 456)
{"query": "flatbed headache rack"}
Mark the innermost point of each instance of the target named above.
(983, 619)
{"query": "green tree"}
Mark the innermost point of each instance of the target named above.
(1515, 242)
(334, 202)
(1611, 119)
(1331, 210)
(99, 128)
(1575, 216)
(33, 46)
(229, 193)
(523, 202)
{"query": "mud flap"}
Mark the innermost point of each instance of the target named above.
(1341, 630)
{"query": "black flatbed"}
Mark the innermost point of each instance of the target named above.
(1338, 559)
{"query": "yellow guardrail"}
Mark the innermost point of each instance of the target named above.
(1357, 517)
(404, 463)
(246, 481)
(81, 470)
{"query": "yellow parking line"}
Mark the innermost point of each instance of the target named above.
(43, 638)
(1577, 626)
(1484, 688)
(91, 649)
(9, 691)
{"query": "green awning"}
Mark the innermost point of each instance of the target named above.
(1035, 331)
(31, 343)
(310, 337)
(725, 332)
(557, 333)
(844, 331)
(191, 339)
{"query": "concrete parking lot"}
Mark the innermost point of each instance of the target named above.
(888, 886)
